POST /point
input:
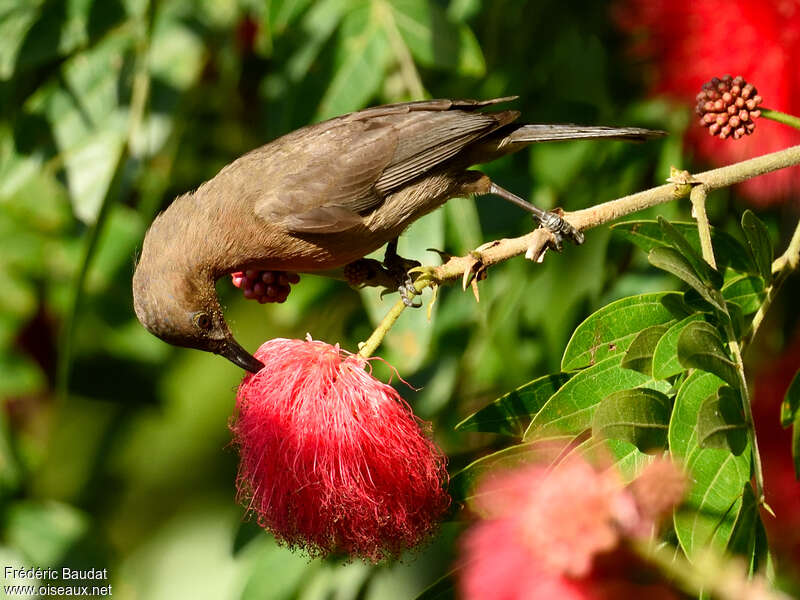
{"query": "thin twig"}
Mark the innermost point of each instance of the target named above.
(780, 117)
(698, 198)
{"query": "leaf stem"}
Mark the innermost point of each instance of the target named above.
(368, 347)
(698, 198)
(780, 117)
(736, 350)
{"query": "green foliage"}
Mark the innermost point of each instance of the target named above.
(758, 243)
(656, 374)
(701, 347)
(511, 414)
(612, 329)
(639, 416)
(790, 417)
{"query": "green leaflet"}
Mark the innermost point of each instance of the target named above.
(718, 476)
(758, 242)
(701, 347)
(571, 409)
(511, 414)
(610, 330)
(639, 356)
(639, 416)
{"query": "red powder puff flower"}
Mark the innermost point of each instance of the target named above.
(333, 460)
(690, 41)
(547, 534)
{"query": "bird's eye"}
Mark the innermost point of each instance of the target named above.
(202, 320)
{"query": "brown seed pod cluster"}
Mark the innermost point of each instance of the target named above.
(728, 107)
(265, 286)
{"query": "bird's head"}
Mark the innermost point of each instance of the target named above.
(178, 303)
(187, 314)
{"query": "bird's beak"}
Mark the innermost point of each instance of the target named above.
(231, 350)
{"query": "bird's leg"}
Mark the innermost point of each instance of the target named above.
(398, 268)
(550, 220)
(265, 286)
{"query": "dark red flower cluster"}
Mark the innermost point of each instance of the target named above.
(333, 460)
(687, 42)
(265, 286)
(556, 534)
(728, 107)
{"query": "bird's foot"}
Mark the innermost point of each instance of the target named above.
(553, 221)
(265, 286)
(560, 228)
(399, 269)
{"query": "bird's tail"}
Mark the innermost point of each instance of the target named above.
(529, 134)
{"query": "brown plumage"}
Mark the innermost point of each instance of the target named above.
(317, 199)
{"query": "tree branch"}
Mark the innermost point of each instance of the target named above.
(535, 243)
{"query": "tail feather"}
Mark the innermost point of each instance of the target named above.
(528, 134)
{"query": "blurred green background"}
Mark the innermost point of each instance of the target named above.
(114, 447)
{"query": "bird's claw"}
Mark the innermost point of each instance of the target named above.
(408, 292)
(400, 270)
(561, 228)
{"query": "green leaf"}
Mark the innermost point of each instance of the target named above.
(610, 330)
(665, 355)
(718, 477)
(682, 425)
(746, 532)
(639, 416)
(362, 57)
(16, 20)
(700, 347)
(462, 483)
(45, 530)
(441, 589)
(648, 235)
(247, 531)
(721, 423)
(89, 125)
(571, 409)
(796, 446)
(280, 13)
(277, 574)
(790, 415)
(639, 356)
(790, 407)
(511, 414)
(629, 461)
(747, 291)
(11, 467)
(672, 261)
(317, 26)
(435, 41)
(757, 236)
(675, 239)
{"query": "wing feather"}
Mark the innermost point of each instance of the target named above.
(325, 177)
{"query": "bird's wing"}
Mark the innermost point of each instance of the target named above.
(324, 178)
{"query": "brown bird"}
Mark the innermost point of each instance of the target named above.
(322, 197)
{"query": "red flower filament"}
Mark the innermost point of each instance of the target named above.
(333, 460)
